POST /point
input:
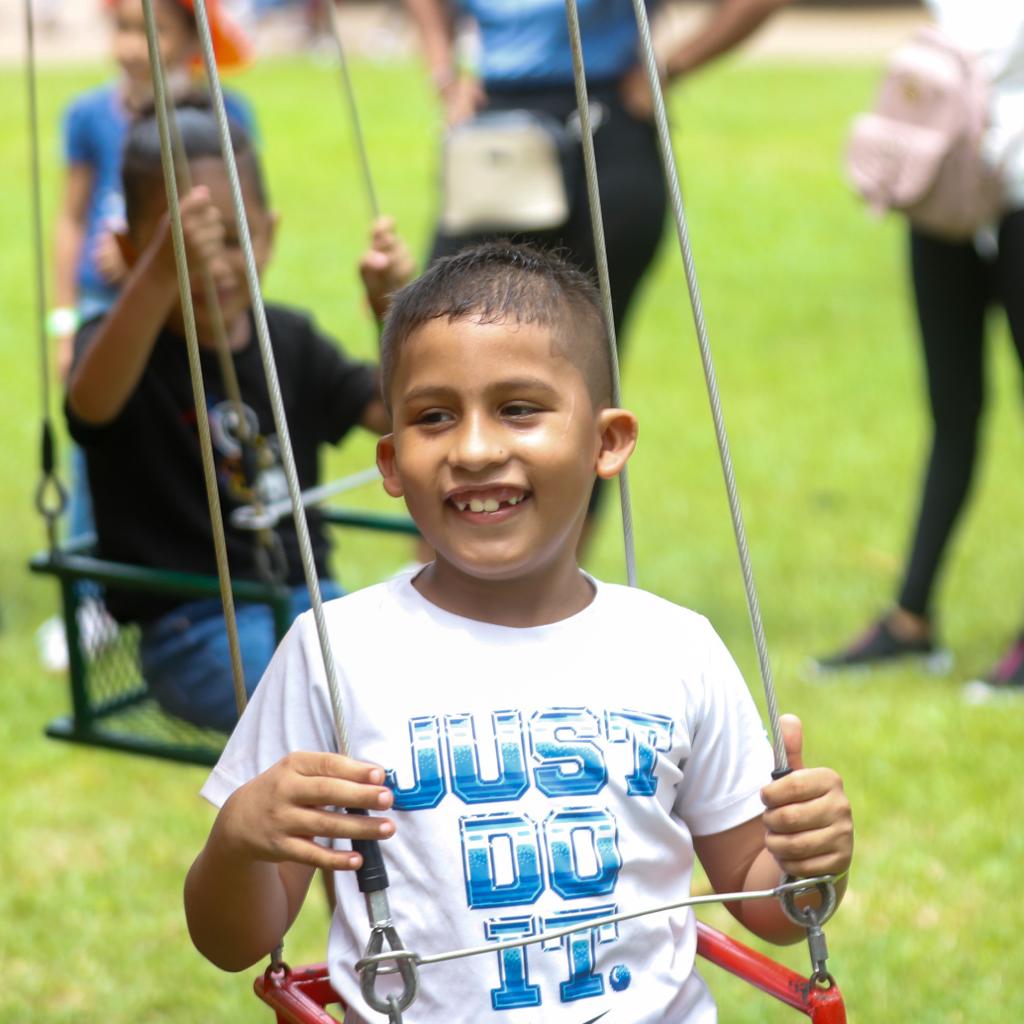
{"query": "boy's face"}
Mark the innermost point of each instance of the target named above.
(178, 44)
(496, 445)
(228, 268)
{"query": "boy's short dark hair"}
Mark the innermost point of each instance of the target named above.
(497, 281)
(141, 167)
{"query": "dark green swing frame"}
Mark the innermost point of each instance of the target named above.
(120, 714)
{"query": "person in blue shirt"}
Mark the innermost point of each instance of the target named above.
(87, 263)
(525, 63)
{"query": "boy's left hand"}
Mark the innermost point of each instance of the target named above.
(386, 266)
(808, 819)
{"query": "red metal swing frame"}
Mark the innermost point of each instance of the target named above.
(301, 996)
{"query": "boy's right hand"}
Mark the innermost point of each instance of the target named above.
(203, 230)
(275, 816)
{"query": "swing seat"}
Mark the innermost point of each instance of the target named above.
(302, 996)
(110, 702)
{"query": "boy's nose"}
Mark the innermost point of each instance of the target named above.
(478, 443)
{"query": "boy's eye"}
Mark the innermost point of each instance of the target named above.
(432, 416)
(518, 410)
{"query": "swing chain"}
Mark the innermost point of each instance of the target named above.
(394, 1010)
(270, 556)
(382, 928)
(812, 919)
(51, 495)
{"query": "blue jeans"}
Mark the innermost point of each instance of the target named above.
(186, 660)
(80, 519)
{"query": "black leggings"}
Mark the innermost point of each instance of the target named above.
(630, 179)
(954, 287)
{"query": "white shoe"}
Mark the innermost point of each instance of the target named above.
(97, 629)
(52, 644)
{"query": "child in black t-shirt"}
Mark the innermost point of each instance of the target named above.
(130, 406)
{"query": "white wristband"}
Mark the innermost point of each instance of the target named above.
(63, 320)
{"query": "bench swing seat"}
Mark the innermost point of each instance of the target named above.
(302, 996)
(110, 702)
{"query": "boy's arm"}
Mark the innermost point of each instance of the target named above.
(385, 267)
(111, 367)
(806, 830)
(69, 238)
(247, 885)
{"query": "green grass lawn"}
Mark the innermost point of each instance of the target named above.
(817, 361)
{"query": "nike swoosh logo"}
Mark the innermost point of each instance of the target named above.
(597, 1018)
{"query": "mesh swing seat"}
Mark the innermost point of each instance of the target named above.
(111, 705)
(301, 996)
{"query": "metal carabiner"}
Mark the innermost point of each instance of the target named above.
(392, 1005)
(812, 919)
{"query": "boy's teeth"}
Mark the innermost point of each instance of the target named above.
(486, 504)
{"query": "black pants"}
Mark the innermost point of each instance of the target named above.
(954, 287)
(632, 188)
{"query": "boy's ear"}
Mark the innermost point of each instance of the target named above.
(388, 465)
(126, 247)
(273, 221)
(618, 431)
(264, 238)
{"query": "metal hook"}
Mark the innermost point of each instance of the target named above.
(812, 919)
(392, 1005)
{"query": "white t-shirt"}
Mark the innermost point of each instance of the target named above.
(995, 30)
(543, 777)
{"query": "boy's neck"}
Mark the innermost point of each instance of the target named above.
(540, 599)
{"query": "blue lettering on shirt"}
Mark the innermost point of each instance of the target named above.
(508, 858)
(563, 740)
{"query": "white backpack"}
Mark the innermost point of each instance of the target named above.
(920, 150)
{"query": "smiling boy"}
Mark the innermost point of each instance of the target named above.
(550, 749)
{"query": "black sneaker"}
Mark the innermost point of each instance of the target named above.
(1006, 678)
(879, 646)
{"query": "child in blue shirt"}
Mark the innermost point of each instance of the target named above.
(87, 264)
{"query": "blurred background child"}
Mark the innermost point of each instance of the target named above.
(88, 268)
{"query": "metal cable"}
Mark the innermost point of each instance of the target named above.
(225, 362)
(372, 875)
(672, 180)
(195, 365)
(253, 517)
(268, 560)
(51, 498)
(601, 255)
(270, 369)
(350, 96)
(786, 889)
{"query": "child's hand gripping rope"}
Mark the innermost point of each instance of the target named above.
(277, 816)
(808, 819)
